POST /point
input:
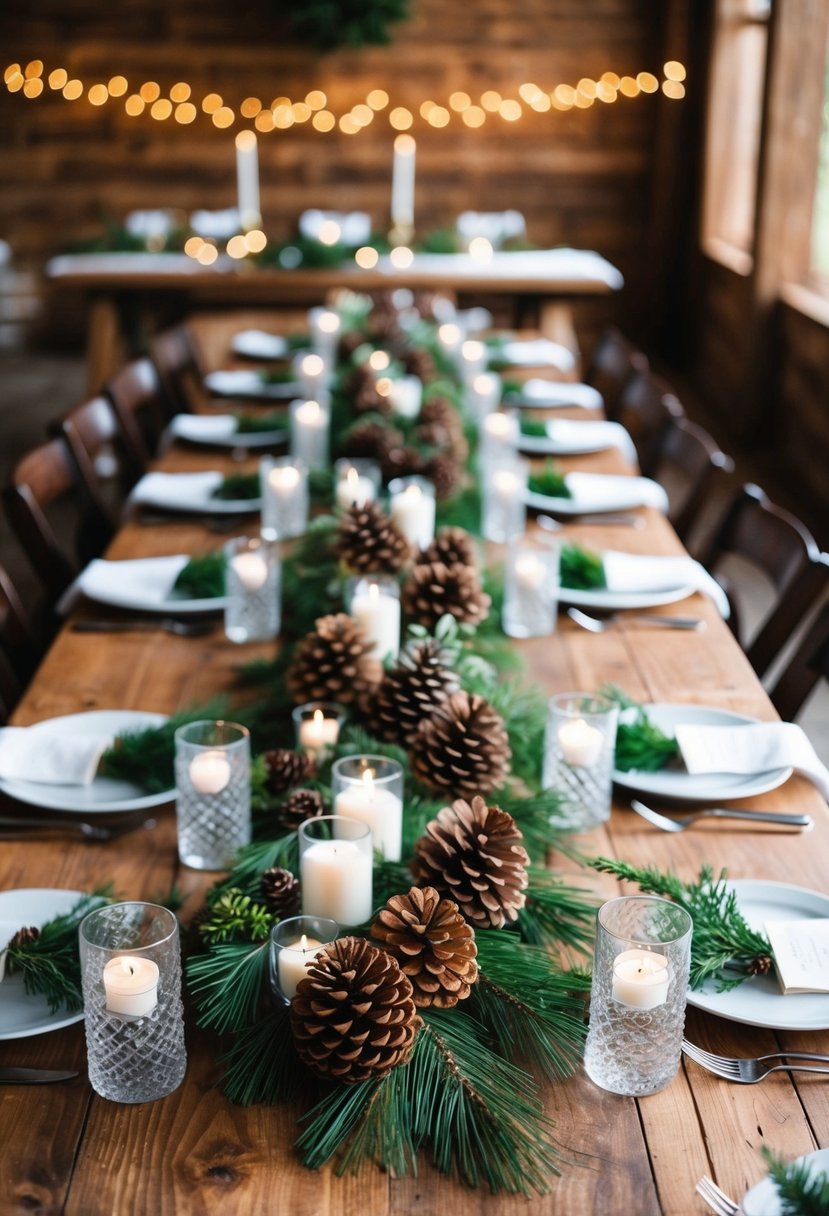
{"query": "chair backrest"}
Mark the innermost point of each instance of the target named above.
(808, 664)
(613, 361)
(646, 408)
(178, 362)
(781, 546)
(55, 542)
(686, 461)
(18, 647)
(107, 451)
(139, 401)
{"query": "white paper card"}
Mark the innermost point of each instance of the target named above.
(801, 953)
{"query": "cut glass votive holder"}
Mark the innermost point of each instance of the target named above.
(373, 601)
(579, 745)
(637, 1004)
(412, 508)
(483, 396)
(252, 588)
(294, 945)
(336, 868)
(531, 591)
(370, 788)
(499, 436)
(317, 726)
(504, 507)
(133, 1015)
(212, 767)
(285, 497)
(310, 421)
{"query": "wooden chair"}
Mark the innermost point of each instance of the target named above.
(778, 544)
(178, 363)
(686, 461)
(108, 452)
(19, 649)
(646, 408)
(808, 664)
(50, 511)
(612, 363)
(139, 401)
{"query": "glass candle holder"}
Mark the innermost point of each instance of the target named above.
(370, 788)
(579, 742)
(406, 396)
(637, 1004)
(483, 396)
(309, 432)
(412, 507)
(212, 768)
(133, 1015)
(450, 337)
(499, 436)
(324, 329)
(504, 507)
(317, 726)
(294, 945)
(335, 869)
(531, 591)
(252, 578)
(373, 600)
(357, 482)
(284, 497)
(473, 360)
(313, 375)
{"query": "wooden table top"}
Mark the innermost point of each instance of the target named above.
(66, 1149)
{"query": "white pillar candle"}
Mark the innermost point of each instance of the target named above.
(336, 877)
(247, 179)
(380, 808)
(353, 490)
(581, 744)
(640, 979)
(210, 772)
(406, 396)
(403, 182)
(309, 433)
(313, 375)
(499, 435)
(251, 569)
(324, 327)
(378, 614)
(483, 395)
(131, 985)
(413, 510)
(473, 360)
(318, 733)
(294, 961)
(450, 337)
(284, 500)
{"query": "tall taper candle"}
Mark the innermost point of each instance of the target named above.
(247, 180)
(403, 182)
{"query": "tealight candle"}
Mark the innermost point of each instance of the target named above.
(313, 375)
(294, 961)
(309, 432)
(530, 592)
(450, 337)
(412, 508)
(499, 436)
(581, 744)
(504, 508)
(483, 395)
(251, 569)
(209, 772)
(640, 979)
(370, 789)
(375, 606)
(324, 327)
(353, 490)
(473, 359)
(284, 498)
(318, 733)
(131, 985)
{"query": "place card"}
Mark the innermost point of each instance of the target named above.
(801, 954)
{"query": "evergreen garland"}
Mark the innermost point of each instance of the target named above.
(48, 958)
(801, 1190)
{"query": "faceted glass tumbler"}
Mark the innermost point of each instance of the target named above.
(285, 497)
(531, 592)
(504, 483)
(133, 1015)
(579, 744)
(294, 945)
(310, 422)
(212, 793)
(637, 1004)
(252, 587)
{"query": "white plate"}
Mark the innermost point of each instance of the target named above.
(593, 493)
(245, 383)
(759, 1001)
(22, 1014)
(574, 444)
(219, 430)
(189, 492)
(763, 1198)
(706, 787)
(258, 344)
(104, 794)
(614, 601)
(141, 584)
(551, 394)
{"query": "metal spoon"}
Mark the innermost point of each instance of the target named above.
(40, 829)
(170, 624)
(554, 525)
(795, 822)
(596, 624)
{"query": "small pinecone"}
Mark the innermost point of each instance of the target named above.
(453, 547)
(473, 854)
(281, 892)
(368, 541)
(372, 438)
(361, 388)
(463, 749)
(433, 589)
(439, 411)
(421, 681)
(353, 1017)
(349, 342)
(433, 943)
(761, 965)
(331, 664)
(401, 460)
(287, 768)
(445, 473)
(301, 805)
(23, 937)
(419, 362)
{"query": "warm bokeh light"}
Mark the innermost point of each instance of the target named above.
(161, 109)
(192, 246)
(647, 82)
(378, 99)
(401, 257)
(301, 111)
(180, 91)
(366, 257)
(405, 145)
(379, 360)
(611, 78)
(400, 118)
(329, 232)
(237, 246)
(629, 87)
(674, 70)
(134, 105)
(480, 249)
(281, 101)
(33, 69)
(528, 92)
(185, 113)
(673, 89)
(323, 120)
(426, 108)
(264, 121)
(460, 101)
(490, 100)
(362, 114)
(348, 126)
(250, 107)
(605, 92)
(510, 110)
(211, 103)
(73, 89)
(583, 102)
(564, 96)
(542, 103)
(586, 87)
(207, 254)
(223, 117)
(149, 91)
(118, 86)
(33, 87)
(98, 95)
(439, 117)
(11, 72)
(474, 116)
(255, 240)
(383, 386)
(15, 83)
(58, 78)
(316, 99)
(283, 117)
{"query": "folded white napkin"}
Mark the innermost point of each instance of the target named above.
(632, 572)
(257, 344)
(614, 492)
(754, 748)
(550, 393)
(355, 226)
(243, 382)
(534, 352)
(143, 581)
(186, 490)
(34, 753)
(204, 428)
(217, 224)
(576, 433)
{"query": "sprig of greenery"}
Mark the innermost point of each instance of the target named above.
(801, 1190)
(50, 964)
(203, 578)
(557, 914)
(146, 757)
(532, 428)
(238, 486)
(260, 424)
(226, 983)
(262, 1066)
(277, 375)
(549, 481)
(642, 746)
(580, 569)
(236, 916)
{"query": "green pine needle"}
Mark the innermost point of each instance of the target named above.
(146, 757)
(262, 1065)
(226, 983)
(580, 569)
(202, 578)
(549, 482)
(557, 914)
(238, 486)
(259, 424)
(801, 1191)
(50, 965)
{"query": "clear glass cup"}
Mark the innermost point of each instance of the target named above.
(531, 591)
(317, 726)
(412, 507)
(504, 507)
(370, 788)
(336, 869)
(294, 945)
(483, 396)
(310, 421)
(285, 497)
(133, 1014)
(358, 481)
(579, 744)
(252, 589)
(212, 768)
(637, 1004)
(499, 436)
(373, 600)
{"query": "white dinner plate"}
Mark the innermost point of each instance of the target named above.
(551, 394)
(704, 787)
(764, 1200)
(220, 430)
(591, 493)
(759, 1001)
(243, 382)
(103, 794)
(259, 344)
(614, 601)
(580, 440)
(141, 584)
(23, 1014)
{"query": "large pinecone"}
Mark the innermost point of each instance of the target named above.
(420, 682)
(286, 768)
(419, 362)
(473, 854)
(401, 460)
(453, 547)
(299, 806)
(281, 892)
(373, 438)
(331, 663)
(353, 1016)
(433, 589)
(445, 474)
(369, 541)
(433, 943)
(463, 749)
(361, 388)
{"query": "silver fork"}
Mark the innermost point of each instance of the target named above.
(751, 1070)
(169, 624)
(716, 1198)
(46, 829)
(598, 624)
(793, 822)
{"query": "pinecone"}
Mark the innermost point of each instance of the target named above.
(420, 682)
(361, 388)
(401, 460)
(761, 965)
(473, 854)
(373, 438)
(350, 341)
(353, 1017)
(445, 473)
(281, 892)
(331, 664)
(463, 749)
(419, 362)
(23, 937)
(433, 589)
(286, 768)
(299, 806)
(369, 541)
(453, 547)
(433, 944)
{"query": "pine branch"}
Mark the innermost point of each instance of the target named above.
(802, 1191)
(533, 813)
(252, 861)
(226, 984)
(262, 1065)
(233, 916)
(202, 578)
(146, 757)
(50, 963)
(557, 915)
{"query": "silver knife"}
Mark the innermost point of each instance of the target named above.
(34, 1076)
